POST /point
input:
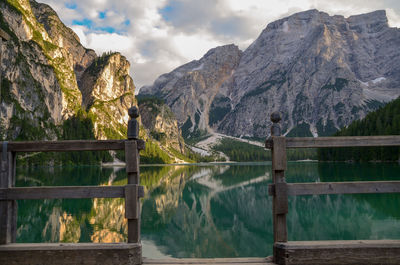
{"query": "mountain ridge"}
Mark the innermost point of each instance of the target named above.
(320, 71)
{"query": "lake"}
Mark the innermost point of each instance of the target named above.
(209, 210)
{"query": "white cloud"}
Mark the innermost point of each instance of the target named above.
(155, 45)
(103, 42)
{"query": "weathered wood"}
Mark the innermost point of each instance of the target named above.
(338, 252)
(132, 170)
(343, 141)
(278, 153)
(131, 198)
(71, 145)
(280, 200)
(131, 159)
(281, 194)
(65, 192)
(252, 261)
(71, 254)
(339, 188)
(7, 208)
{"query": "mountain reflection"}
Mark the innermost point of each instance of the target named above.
(211, 210)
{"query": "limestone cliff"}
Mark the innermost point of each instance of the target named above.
(48, 76)
(107, 94)
(161, 124)
(322, 72)
(190, 89)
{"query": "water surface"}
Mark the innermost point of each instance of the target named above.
(210, 210)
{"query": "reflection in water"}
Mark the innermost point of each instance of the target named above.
(212, 210)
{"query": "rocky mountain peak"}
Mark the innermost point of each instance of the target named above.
(190, 88)
(320, 71)
(369, 23)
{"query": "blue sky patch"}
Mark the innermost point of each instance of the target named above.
(103, 15)
(84, 22)
(107, 29)
(167, 12)
(71, 5)
(127, 22)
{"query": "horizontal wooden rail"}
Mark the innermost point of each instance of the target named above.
(65, 192)
(339, 188)
(70, 145)
(340, 141)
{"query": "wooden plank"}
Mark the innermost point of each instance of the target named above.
(7, 208)
(280, 200)
(226, 263)
(338, 252)
(65, 192)
(131, 158)
(71, 253)
(132, 171)
(70, 145)
(281, 195)
(209, 261)
(131, 198)
(295, 189)
(343, 141)
(278, 153)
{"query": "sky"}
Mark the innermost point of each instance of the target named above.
(156, 36)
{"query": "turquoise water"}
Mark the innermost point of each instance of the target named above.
(210, 210)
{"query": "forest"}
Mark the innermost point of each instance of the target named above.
(384, 121)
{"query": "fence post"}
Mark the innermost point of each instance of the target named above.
(280, 198)
(132, 203)
(8, 209)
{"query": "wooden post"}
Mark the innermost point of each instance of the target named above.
(132, 203)
(8, 208)
(280, 198)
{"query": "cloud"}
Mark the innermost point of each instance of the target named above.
(158, 35)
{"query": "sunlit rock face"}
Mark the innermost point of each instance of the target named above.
(322, 72)
(160, 122)
(48, 76)
(108, 93)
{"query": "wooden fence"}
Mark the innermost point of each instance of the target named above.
(325, 252)
(71, 253)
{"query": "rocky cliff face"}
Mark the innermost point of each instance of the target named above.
(48, 76)
(190, 89)
(107, 94)
(320, 71)
(161, 124)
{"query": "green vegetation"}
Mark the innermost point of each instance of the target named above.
(154, 154)
(99, 63)
(241, 151)
(245, 152)
(301, 130)
(77, 127)
(326, 130)
(384, 121)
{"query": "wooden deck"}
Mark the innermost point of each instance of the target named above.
(225, 261)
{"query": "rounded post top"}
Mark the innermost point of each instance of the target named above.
(133, 112)
(276, 116)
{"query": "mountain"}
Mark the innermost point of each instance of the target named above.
(384, 121)
(52, 87)
(48, 77)
(322, 72)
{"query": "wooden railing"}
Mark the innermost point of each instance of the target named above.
(131, 192)
(280, 190)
